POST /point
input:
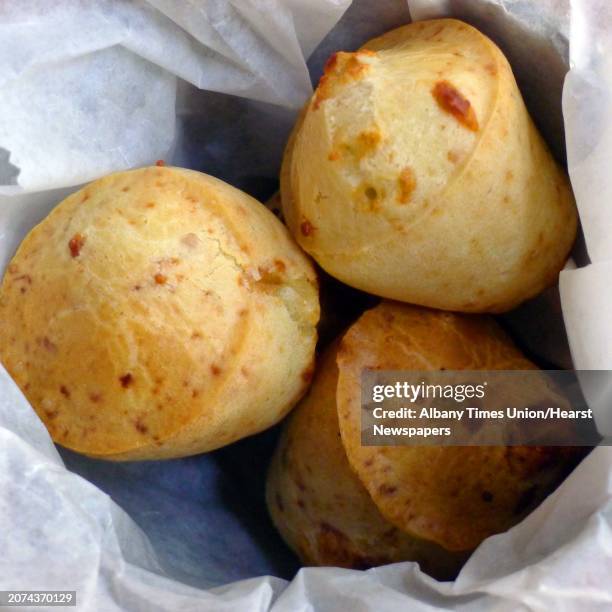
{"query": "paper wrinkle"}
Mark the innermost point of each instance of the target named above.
(88, 88)
(587, 107)
(71, 86)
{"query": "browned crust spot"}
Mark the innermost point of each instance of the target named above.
(26, 278)
(160, 279)
(307, 228)
(75, 244)
(369, 140)
(452, 101)
(452, 156)
(341, 67)
(48, 345)
(215, 369)
(126, 380)
(140, 426)
(364, 144)
(406, 185)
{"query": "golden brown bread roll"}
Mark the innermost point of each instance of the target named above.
(319, 505)
(338, 502)
(455, 496)
(415, 173)
(158, 313)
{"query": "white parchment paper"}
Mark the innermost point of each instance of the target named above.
(89, 87)
(587, 105)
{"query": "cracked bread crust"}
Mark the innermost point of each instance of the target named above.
(158, 313)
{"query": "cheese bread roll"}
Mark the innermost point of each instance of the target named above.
(158, 313)
(415, 173)
(338, 502)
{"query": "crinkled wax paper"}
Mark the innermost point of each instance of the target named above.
(87, 87)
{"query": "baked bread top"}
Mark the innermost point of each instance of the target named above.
(415, 173)
(158, 312)
(455, 496)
